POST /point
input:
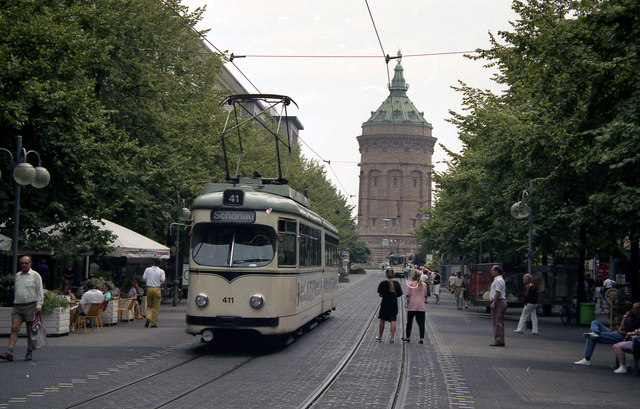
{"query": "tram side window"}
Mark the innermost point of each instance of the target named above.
(331, 251)
(310, 246)
(287, 235)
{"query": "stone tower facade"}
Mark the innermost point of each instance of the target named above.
(396, 147)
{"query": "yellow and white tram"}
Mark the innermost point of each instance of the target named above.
(260, 261)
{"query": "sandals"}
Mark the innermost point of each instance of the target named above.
(28, 357)
(379, 339)
(391, 341)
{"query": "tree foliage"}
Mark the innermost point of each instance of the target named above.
(567, 120)
(118, 99)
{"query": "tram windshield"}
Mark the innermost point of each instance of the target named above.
(232, 245)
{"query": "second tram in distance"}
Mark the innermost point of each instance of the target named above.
(261, 261)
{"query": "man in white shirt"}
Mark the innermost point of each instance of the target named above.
(92, 295)
(498, 305)
(27, 301)
(154, 277)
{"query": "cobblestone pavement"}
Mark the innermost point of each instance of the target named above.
(454, 368)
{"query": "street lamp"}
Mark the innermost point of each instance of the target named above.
(522, 210)
(182, 214)
(23, 174)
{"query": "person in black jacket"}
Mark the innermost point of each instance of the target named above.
(389, 290)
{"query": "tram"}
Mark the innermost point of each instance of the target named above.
(261, 262)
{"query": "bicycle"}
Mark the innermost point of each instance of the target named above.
(568, 312)
(167, 293)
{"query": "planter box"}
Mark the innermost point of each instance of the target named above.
(55, 323)
(112, 312)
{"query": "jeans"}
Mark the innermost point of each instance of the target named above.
(606, 337)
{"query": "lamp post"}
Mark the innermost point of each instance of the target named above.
(182, 214)
(23, 174)
(522, 210)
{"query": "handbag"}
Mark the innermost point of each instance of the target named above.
(38, 335)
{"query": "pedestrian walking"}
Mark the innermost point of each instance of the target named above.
(27, 301)
(458, 289)
(498, 306)
(530, 302)
(435, 279)
(467, 288)
(389, 290)
(154, 278)
(416, 291)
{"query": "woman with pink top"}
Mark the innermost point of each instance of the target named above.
(416, 291)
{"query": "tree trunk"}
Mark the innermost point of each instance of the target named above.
(581, 258)
(634, 266)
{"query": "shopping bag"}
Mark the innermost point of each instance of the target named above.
(38, 335)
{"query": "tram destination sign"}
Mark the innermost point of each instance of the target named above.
(233, 216)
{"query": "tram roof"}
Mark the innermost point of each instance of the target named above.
(280, 197)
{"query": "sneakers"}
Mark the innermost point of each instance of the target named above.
(621, 369)
(591, 335)
(534, 333)
(583, 362)
(7, 357)
(518, 331)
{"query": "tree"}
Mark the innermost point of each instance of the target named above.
(568, 120)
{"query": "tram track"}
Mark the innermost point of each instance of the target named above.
(156, 377)
(184, 367)
(401, 384)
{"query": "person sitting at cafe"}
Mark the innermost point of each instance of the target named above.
(106, 296)
(129, 291)
(92, 295)
(66, 291)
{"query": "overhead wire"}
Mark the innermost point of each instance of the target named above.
(230, 58)
(384, 55)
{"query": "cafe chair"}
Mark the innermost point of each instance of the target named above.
(104, 310)
(93, 314)
(126, 305)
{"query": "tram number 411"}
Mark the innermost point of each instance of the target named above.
(229, 300)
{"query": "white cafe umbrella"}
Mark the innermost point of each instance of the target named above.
(5, 244)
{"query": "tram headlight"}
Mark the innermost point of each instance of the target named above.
(256, 301)
(202, 300)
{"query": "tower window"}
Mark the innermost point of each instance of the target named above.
(395, 181)
(415, 182)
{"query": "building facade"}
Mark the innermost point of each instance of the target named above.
(396, 148)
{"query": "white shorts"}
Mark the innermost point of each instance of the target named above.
(436, 289)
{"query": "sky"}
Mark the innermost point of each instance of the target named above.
(336, 95)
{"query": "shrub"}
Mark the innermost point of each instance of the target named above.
(51, 301)
(6, 290)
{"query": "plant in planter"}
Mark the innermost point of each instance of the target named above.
(52, 301)
(6, 290)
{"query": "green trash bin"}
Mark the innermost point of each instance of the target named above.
(587, 313)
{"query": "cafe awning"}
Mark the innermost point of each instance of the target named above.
(131, 244)
(128, 243)
(5, 244)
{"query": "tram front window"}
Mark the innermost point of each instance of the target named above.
(233, 246)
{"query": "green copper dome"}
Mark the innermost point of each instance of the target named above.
(398, 108)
